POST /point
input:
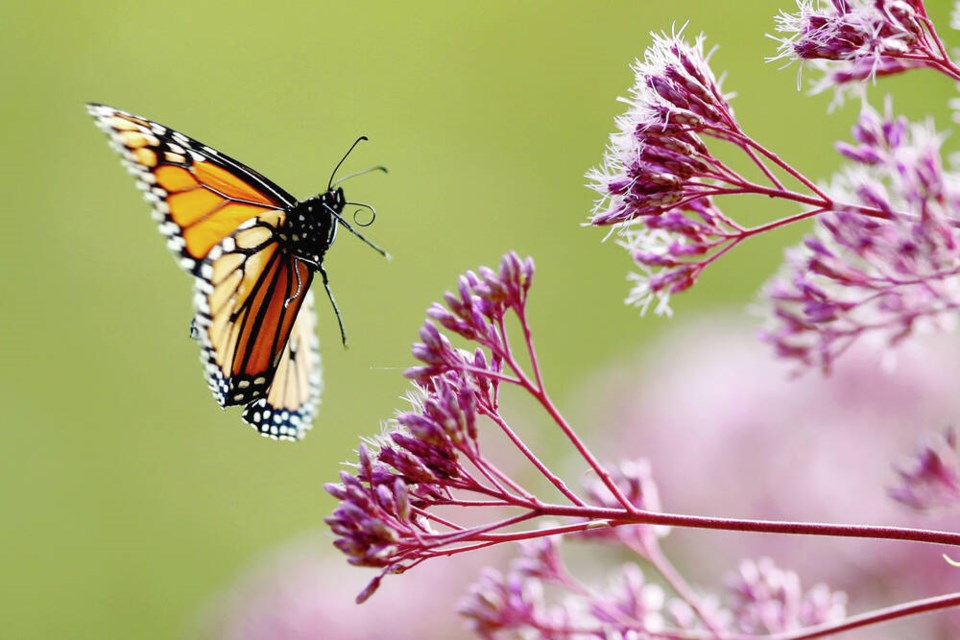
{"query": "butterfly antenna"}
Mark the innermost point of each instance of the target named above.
(373, 213)
(349, 151)
(379, 167)
(357, 233)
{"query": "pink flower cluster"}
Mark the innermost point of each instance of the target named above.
(427, 488)
(883, 261)
(883, 257)
(657, 159)
(887, 275)
(850, 41)
(430, 456)
(540, 596)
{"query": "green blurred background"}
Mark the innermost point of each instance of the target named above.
(129, 498)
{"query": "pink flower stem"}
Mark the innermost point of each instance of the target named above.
(534, 460)
(486, 467)
(541, 396)
(429, 515)
(787, 168)
(746, 142)
(703, 264)
(948, 68)
(760, 190)
(516, 536)
(486, 373)
(498, 482)
(481, 532)
(781, 222)
(763, 167)
(474, 503)
(437, 553)
(720, 171)
(528, 338)
(823, 204)
(727, 221)
(601, 516)
(537, 391)
(942, 56)
(896, 612)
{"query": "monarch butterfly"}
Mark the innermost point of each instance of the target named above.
(252, 249)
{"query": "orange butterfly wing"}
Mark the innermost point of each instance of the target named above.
(250, 299)
(199, 196)
(288, 409)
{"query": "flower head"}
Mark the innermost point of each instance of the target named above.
(418, 463)
(474, 312)
(657, 160)
(430, 456)
(856, 40)
(631, 603)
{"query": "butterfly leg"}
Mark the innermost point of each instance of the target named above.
(297, 293)
(336, 310)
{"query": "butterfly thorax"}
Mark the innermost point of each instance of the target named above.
(311, 225)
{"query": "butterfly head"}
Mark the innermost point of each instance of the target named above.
(334, 199)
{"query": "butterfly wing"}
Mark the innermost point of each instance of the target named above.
(248, 293)
(199, 196)
(288, 409)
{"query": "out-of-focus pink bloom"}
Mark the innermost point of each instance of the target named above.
(864, 275)
(539, 598)
(931, 480)
(767, 599)
(301, 593)
(499, 606)
(729, 433)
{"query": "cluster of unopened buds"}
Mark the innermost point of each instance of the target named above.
(883, 259)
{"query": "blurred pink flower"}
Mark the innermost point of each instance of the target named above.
(728, 433)
(888, 276)
(305, 592)
(931, 479)
(769, 600)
